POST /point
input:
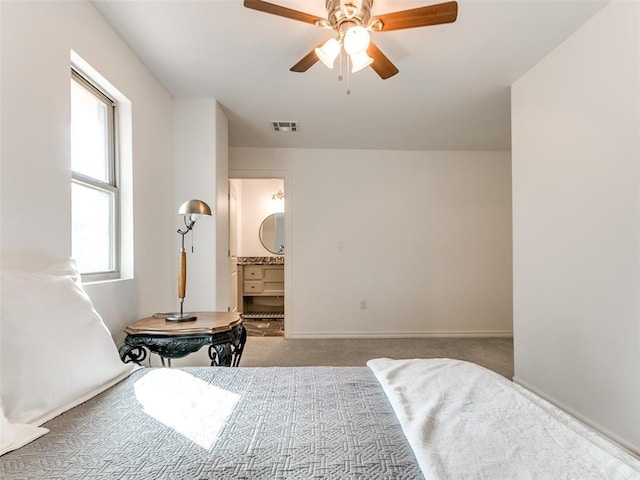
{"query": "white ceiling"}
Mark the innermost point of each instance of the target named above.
(452, 92)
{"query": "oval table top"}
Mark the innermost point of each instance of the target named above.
(206, 322)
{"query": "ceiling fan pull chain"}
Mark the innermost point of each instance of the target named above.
(348, 75)
(340, 64)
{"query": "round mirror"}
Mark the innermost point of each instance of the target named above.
(272, 233)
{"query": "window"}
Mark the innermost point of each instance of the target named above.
(95, 240)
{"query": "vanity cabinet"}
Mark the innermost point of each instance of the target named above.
(262, 290)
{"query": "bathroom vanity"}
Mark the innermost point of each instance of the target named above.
(261, 287)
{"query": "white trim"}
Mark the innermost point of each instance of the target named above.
(604, 432)
(440, 334)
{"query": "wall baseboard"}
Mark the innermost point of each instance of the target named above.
(616, 440)
(441, 334)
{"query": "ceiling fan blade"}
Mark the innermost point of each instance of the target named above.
(281, 11)
(419, 17)
(306, 62)
(381, 64)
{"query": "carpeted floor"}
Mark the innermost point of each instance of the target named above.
(266, 347)
(268, 351)
(264, 328)
(493, 353)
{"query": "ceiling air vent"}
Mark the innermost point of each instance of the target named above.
(285, 126)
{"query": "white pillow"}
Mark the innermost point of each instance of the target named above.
(64, 268)
(55, 351)
(14, 436)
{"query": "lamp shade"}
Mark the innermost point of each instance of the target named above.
(328, 52)
(359, 61)
(194, 207)
(356, 40)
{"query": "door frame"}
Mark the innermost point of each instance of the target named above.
(285, 175)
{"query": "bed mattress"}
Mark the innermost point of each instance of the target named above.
(212, 422)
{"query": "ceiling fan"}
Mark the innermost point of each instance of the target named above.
(351, 21)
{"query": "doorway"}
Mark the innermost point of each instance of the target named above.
(257, 251)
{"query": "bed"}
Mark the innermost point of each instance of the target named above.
(83, 414)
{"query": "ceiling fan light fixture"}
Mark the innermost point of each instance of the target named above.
(328, 52)
(356, 40)
(351, 20)
(360, 61)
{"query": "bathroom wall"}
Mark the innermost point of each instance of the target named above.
(254, 203)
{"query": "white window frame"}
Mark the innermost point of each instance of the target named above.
(112, 184)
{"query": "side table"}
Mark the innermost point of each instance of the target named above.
(222, 331)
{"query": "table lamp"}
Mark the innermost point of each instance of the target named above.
(191, 210)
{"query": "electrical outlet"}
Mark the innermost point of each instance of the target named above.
(363, 304)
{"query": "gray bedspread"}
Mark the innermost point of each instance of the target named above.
(225, 423)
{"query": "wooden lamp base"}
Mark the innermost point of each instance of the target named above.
(182, 288)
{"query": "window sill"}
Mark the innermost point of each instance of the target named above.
(105, 281)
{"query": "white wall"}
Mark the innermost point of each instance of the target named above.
(576, 154)
(255, 204)
(426, 240)
(222, 210)
(201, 173)
(195, 176)
(36, 43)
